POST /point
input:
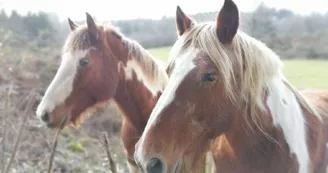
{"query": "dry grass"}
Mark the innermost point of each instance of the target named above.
(27, 109)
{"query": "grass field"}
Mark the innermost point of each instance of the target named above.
(301, 73)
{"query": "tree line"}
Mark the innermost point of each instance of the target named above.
(289, 34)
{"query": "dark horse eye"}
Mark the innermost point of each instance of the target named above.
(84, 61)
(209, 77)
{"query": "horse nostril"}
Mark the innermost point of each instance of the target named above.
(155, 165)
(45, 117)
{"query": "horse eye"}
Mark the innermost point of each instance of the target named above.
(209, 77)
(84, 61)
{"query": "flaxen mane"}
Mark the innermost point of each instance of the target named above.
(255, 63)
(152, 69)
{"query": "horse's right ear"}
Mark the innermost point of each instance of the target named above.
(92, 27)
(183, 22)
(72, 25)
(227, 22)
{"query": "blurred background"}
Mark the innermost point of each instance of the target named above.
(32, 34)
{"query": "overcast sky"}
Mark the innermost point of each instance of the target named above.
(127, 9)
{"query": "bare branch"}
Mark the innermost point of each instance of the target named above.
(110, 159)
(4, 140)
(52, 156)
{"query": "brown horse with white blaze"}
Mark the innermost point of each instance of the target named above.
(227, 93)
(100, 65)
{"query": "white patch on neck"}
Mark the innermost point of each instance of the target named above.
(62, 84)
(184, 64)
(155, 85)
(287, 114)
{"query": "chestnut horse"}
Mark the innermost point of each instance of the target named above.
(227, 93)
(100, 65)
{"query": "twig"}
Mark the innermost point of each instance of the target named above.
(25, 116)
(4, 140)
(51, 160)
(111, 161)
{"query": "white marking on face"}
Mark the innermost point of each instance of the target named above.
(184, 64)
(153, 85)
(287, 115)
(62, 84)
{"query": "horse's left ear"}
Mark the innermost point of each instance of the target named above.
(72, 25)
(227, 22)
(183, 22)
(92, 27)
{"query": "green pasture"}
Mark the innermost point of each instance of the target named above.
(302, 73)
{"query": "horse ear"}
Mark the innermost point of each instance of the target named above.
(227, 22)
(93, 30)
(183, 22)
(72, 25)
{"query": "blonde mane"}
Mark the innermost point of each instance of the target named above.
(255, 64)
(152, 69)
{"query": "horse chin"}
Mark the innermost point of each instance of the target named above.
(75, 123)
(79, 120)
(65, 122)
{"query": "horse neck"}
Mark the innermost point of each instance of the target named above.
(135, 102)
(133, 97)
(251, 150)
(269, 145)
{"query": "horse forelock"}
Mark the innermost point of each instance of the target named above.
(77, 40)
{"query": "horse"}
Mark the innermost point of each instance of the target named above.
(99, 65)
(227, 94)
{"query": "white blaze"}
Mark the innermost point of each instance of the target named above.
(184, 64)
(62, 84)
